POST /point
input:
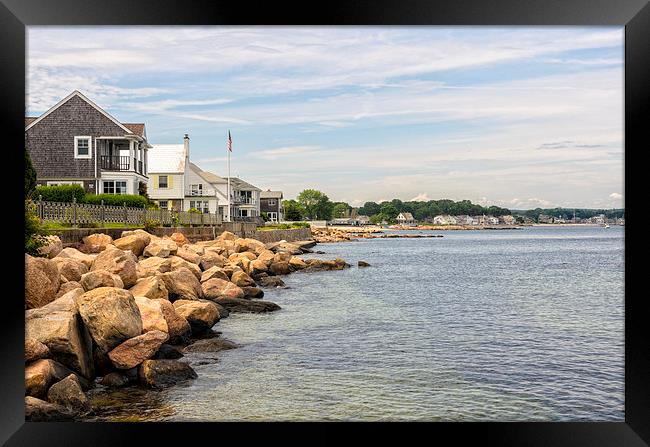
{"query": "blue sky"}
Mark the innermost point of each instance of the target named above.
(514, 116)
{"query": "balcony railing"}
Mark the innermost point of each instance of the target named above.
(200, 193)
(241, 200)
(115, 162)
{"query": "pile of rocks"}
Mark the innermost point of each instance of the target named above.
(120, 312)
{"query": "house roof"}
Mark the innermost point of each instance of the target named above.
(407, 216)
(80, 95)
(136, 128)
(167, 158)
(205, 175)
(240, 184)
(29, 119)
(271, 195)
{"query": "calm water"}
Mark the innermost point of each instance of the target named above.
(505, 325)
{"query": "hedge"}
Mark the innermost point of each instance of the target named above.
(61, 193)
(133, 201)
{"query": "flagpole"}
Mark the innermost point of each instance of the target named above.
(229, 196)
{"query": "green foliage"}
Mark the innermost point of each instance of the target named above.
(421, 210)
(150, 225)
(133, 201)
(194, 210)
(341, 209)
(32, 229)
(264, 216)
(293, 210)
(285, 226)
(316, 204)
(30, 176)
(369, 209)
(60, 193)
(567, 213)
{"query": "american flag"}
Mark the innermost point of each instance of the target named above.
(229, 142)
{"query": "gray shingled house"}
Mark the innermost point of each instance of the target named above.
(76, 141)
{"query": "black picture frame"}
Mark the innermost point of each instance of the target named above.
(633, 14)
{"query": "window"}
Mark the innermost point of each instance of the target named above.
(82, 147)
(162, 181)
(272, 202)
(162, 204)
(196, 190)
(201, 205)
(273, 216)
(114, 187)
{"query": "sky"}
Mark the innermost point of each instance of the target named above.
(519, 117)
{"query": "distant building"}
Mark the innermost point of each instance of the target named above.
(363, 220)
(599, 219)
(543, 218)
(271, 204)
(507, 219)
(405, 219)
(445, 219)
(493, 220)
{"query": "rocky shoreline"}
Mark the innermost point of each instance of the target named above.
(111, 314)
(325, 235)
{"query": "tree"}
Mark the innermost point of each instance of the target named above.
(389, 210)
(293, 210)
(341, 209)
(30, 176)
(369, 209)
(316, 204)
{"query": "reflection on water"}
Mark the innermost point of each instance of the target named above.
(477, 325)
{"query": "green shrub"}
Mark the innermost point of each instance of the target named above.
(132, 201)
(150, 225)
(60, 193)
(30, 176)
(194, 210)
(301, 225)
(32, 229)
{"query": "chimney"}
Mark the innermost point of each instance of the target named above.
(186, 144)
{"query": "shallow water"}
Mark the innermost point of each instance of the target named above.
(508, 325)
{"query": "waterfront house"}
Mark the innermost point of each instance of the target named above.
(507, 219)
(444, 219)
(493, 220)
(543, 218)
(363, 220)
(271, 204)
(405, 219)
(78, 142)
(167, 174)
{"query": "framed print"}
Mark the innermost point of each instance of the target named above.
(364, 214)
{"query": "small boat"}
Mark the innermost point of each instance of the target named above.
(606, 225)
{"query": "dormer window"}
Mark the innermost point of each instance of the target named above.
(82, 147)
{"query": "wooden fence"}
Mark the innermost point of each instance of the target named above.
(80, 214)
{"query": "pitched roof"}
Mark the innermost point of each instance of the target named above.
(80, 95)
(407, 216)
(271, 195)
(207, 176)
(136, 128)
(167, 158)
(29, 119)
(239, 183)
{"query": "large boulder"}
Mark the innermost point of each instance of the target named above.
(132, 243)
(266, 256)
(111, 316)
(70, 269)
(99, 240)
(151, 314)
(270, 281)
(178, 263)
(152, 266)
(41, 374)
(227, 236)
(214, 272)
(122, 263)
(241, 279)
(164, 373)
(319, 264)
(161, 248)
(134, 351)
(151, 287)
(178, 328)
(281, 257)
(297, 263)
(252, 292)
(216, 288)
(212, 259)
(59, 326)
(246, 254)
(201, 315)
(211, 345)
(67, 287)
(146, 237)
(257, 266)
(73, 253)
(194, 248)
(182, 284)
(37, 410)
(280, 268)
(68, 393)
(52, 246)
(249, 245)
(179, 238)
(41, 281)
(244, 305)
(100, 278)
(35, 350)
(286, 247)
(188, 255)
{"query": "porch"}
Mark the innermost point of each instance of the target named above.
(121, 154)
